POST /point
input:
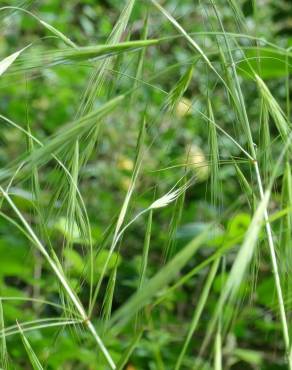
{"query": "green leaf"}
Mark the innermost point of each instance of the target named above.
(72, 233)
(249, 356)
(267, 62)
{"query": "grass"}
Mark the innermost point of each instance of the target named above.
(91, 300)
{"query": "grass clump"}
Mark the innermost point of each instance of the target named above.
(145, 186)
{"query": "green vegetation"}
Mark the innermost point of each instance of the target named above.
(145, 185)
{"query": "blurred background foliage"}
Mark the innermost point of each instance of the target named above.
(46, 98)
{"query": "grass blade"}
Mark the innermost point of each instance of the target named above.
(6, 63)
(32, 356)
(3, 347)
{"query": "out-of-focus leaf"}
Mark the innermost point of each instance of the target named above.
(191, 230)
(12, 260)
(266, 62)
(249, 356)
(62, 226)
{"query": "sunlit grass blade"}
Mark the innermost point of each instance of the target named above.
(218, 351)
(6, 63)
(3, 347)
